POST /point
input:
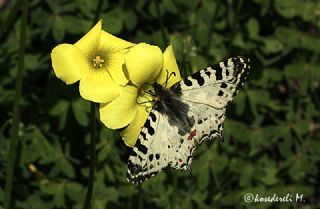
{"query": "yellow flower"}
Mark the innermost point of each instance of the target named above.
(145, 64)
(96, 61)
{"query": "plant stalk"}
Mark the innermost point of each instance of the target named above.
(163, 32)
(16, 110)
(87, 203)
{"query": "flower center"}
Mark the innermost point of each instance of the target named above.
(147, 96)
(97, 62)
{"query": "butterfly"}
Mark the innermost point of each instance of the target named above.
(183, 116)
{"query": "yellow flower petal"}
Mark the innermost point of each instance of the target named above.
(89, 43)
(144, 63)
(130, 134)
(69, 64)
(121, 111)
(112, 43)
(115, 48)
(169, 66)
(98, 86)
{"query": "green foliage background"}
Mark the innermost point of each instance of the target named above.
(271, 133)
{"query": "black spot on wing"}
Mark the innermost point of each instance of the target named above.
(187, 82)
(241, 70)
(223, 85)
(151, 157)
(153, 116)
(218, 71)
(181, 141)
(198, 78)
(133, 153)
(207, 72)
(157, 156)
(142, 148)
(141, 177)
(225, 63)
(220, 93)
(144, 136)
(149, 127)
(133, 168)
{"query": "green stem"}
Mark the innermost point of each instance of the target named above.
(140, 197)
(174, 192)
(271, 61)
(16, 109)
(216, 179)
(97, 13)
(12, 15)
(87, 203)
(163, 32)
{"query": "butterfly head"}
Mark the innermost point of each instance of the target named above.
(158, 89)
(152, 93)
(149, 94)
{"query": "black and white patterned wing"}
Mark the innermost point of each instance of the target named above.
(208, 92)
(165, 141)
(158, 146)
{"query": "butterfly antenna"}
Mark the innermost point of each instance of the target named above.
(168, 77)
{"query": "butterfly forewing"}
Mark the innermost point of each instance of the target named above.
(204, 96)
(209, 96)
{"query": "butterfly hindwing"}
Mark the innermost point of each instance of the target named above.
(199, 102)
(155, 151)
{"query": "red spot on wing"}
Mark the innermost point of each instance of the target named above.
(180, 160)
(192, 134)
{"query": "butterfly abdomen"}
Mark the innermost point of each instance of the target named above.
(170, 104)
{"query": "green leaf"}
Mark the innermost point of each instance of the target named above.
(287, 8)
(199, 196)
(126, 191)
(239, 41)
(298, 76)
(75, 191)
(58, 28)
(59, 108)
(229, 199)
(75, 25)
(270, 177)
(80, 110)
(113, 21)
(272, 45)
(67, 168)
(253, 27)
(130, 20)
(169, 6)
